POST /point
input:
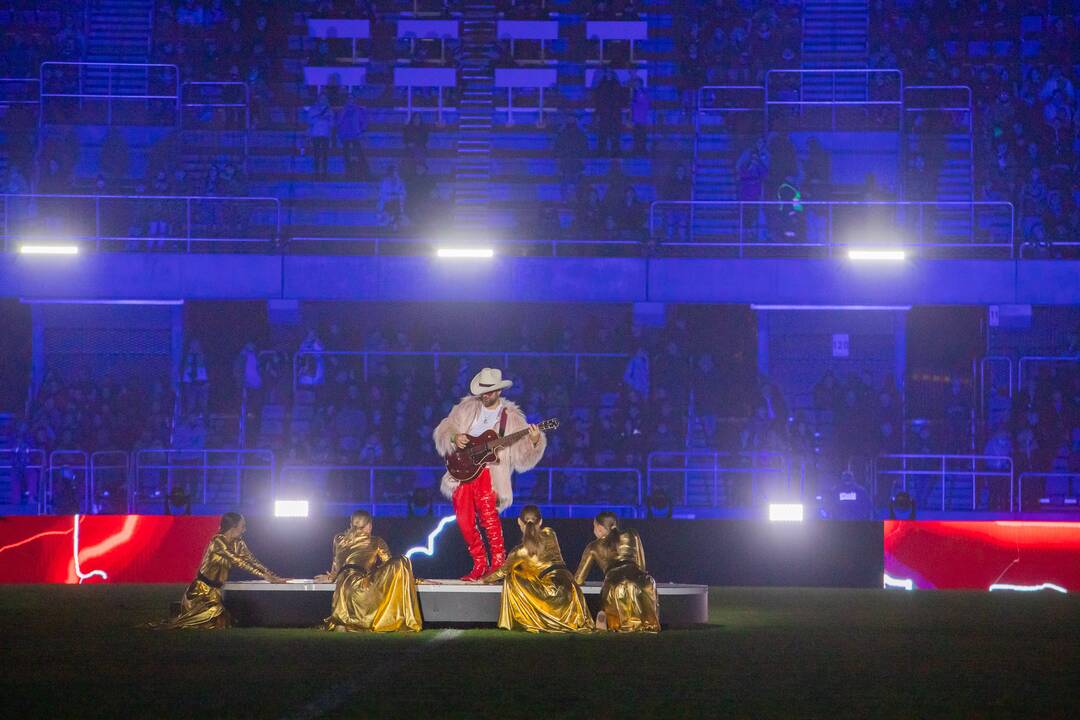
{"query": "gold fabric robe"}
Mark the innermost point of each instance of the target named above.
(539, 594)
(374, 592)
(202, 606)
(628, 596)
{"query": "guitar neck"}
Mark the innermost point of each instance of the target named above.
(507, 439)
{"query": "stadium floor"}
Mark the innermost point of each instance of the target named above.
(78, 652)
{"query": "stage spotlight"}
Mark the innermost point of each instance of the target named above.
(462, 252)
(902, 502)
(38, 249)
(877, 255)
(418, 500)
(785, 512)
(658, 504)
(290, 508)
(178, 500)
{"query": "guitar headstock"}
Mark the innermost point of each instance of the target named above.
(549, 424)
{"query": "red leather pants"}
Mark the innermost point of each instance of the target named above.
(475, 507)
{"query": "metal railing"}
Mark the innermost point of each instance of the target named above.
(1029, 360)
(848, 95)
(78, 84)
(20, 91)
(729, 479)
(829, 225)
(419, 245)
(1070, 498)
(380, 484)
(158, 471)
(924, 472)
(69, 478)
(986, 367)
(719, 99)
(299, 366)
(229, 95)
(27, 470)
(110, 218)
(110, 471)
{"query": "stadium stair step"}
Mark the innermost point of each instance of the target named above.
(715, 154)
(835, 33)
(119, 30)
(472, 174)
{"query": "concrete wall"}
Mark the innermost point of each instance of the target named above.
(306, 277)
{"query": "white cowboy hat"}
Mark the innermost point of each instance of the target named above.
(488, 380)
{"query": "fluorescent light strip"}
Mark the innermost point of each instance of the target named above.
(48, 249)
(792, 512)
(830, 307)
(290, 508)
(465, 253)
(891, 255)
(36, 301)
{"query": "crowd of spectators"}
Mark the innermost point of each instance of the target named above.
(1020, 64)
(33, 32)
(381, 410)
(729, 43)
(89, 415)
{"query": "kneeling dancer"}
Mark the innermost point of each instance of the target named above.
(628, 596)
(202, 606)
(373, 592)
(539, 593)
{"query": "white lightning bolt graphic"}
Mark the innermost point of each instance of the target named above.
(78, 571)
(429, 550)
(1028, 588)
(891, 582)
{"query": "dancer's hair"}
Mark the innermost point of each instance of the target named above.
(530, 517)
(360, 514)
(230, 520)
(608, 520)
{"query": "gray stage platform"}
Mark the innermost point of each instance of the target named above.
(304, 603)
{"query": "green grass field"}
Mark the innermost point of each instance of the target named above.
(77, 652)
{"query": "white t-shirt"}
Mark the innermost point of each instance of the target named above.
(486, 420)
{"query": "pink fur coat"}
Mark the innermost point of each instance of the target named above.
(519, 457)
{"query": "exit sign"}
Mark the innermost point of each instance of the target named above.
(841, 346)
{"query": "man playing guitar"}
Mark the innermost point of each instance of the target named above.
(479, 501)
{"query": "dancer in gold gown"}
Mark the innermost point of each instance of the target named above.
(539, 594)
(374, 592)
(202, 606)
(628, 596)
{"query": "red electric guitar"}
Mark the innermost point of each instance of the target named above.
(468, 462)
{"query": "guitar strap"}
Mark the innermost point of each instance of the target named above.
(502, 422)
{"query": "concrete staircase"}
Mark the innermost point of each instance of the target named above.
(119, 30)
(715, 154)
(472, 171)
(835, 33)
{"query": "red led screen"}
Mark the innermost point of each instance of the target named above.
(977, 555)
(111, 548)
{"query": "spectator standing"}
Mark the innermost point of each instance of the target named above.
(415, 137)
(311, 371)
(640, 115)
(608, 106)
(320, 125)
(351, 123)
(194, 380)
(570, 146)
(392, 196)
(677, 188)
(419, 194)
